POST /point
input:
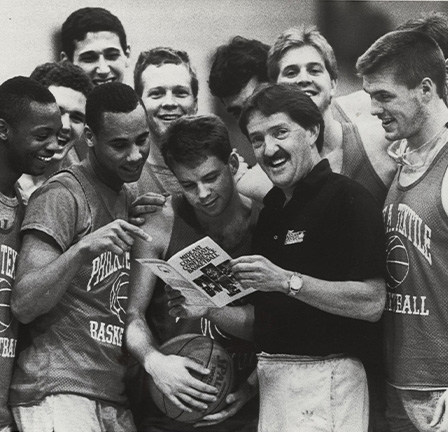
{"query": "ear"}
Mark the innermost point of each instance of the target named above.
(64, 57)
(427, 86)
(314, 133)
(89, 136)
(234, 162)
(127, 53)
(4, 130)
(334, 85)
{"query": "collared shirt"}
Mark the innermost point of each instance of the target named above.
(331, 229)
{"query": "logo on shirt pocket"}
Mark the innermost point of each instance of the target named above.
(294, 237)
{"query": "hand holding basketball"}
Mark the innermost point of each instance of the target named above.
(171, 374)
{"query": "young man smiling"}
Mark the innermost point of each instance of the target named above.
(198, 151)
(70, 86)
(29, 124)
(404, 72)
(73, 292)
(94, 39)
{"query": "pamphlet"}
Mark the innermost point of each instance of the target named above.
(201, 272)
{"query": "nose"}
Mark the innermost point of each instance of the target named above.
(66, 123)
(102, 67)
(375, 107)
(303, 77)
(135, 154)
(169, 100)
(53, 144)
(203, 191)
(270, 146)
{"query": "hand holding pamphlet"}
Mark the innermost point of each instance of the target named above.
(201, 272)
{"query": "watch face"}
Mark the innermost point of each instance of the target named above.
(295, 283)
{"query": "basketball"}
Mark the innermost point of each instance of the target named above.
(209, 354)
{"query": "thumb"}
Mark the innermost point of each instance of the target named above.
(196, 367)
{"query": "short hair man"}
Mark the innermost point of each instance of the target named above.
(73, 292)
(70, 86)
(29, 124)
(168, 86)
(314, 323)
(304, 57)
(237, 69)
(404, 74)
(198, 151)
(94, 39)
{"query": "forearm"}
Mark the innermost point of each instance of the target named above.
(141, 342)
(362, 300)
(38, 290)
(237, 321)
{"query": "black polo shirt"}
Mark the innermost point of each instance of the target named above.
(331, 229)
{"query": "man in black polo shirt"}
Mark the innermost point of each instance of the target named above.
(319, 241)
(309, 326)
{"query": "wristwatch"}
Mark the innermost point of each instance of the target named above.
(295, 284)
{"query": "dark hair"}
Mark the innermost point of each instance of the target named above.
(89, 19)
(63, 74)
(434, 24)
(410, 55)
(190, 139)
(112, 97)
(297, 37)
(160, 56)
(234, 64)
(16, 95)
(286, 98)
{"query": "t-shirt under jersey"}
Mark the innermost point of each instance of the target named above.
(76, 347)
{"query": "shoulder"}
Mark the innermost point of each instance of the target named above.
(355, 105)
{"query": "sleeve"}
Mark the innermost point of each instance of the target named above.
(362, 234)
(59, 211)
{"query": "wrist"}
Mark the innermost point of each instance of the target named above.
(151, 360)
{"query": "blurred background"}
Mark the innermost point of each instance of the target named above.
(29, 32)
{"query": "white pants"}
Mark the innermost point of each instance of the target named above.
(312, 394)
(72, 413)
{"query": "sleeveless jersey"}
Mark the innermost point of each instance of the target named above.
(155, 178)
(416, 312)
(76, 346)
(11, 216)
(356, 164)
(186, 230)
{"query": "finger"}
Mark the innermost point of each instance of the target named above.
(134, 231)
(192, 403)
(196, 383)
(151, 199)
(438, 412)
(179, 403)
(144, 209)
(137, 221)
(177, 312)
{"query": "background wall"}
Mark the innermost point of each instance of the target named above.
(29, 31)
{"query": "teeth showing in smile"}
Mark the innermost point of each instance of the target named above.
(43, 158)
(168, 117)
(310, 93)
(100, 82)
(277, 162)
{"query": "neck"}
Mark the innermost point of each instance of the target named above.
(155, 155)
(433, 121)
(113, 183)
(332, 132)
(8, 179)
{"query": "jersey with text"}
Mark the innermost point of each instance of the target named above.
(416, 317)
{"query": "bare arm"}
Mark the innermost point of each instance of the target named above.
(44, 276)
(170, 373)
(361, 300)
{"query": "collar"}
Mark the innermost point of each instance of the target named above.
(308, 186)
